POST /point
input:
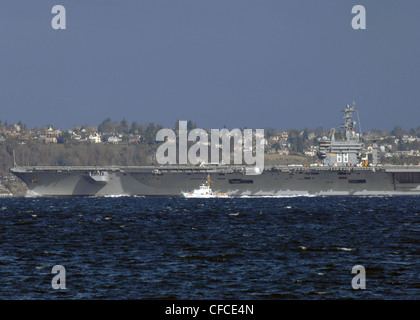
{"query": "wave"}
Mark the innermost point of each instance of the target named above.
(345, 249)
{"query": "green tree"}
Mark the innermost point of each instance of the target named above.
(106, 126)
(64, 138)
(123, 127)
(397, 131)
(305, 135)
(191, 125)
(134, 128)
(270, 132)
(296, 141)
(149, 133)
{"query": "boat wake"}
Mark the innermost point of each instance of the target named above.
(280, 196)
(31, 193)
(116, 195)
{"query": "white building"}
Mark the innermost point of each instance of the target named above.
(96, 138)
(114, 139)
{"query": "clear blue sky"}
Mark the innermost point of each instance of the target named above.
(238, 63)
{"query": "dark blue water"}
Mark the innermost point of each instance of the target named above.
(175, 248)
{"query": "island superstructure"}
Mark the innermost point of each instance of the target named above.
(344, 168)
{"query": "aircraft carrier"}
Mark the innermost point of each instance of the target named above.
(344, 168)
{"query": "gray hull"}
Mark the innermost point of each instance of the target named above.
(171, 181)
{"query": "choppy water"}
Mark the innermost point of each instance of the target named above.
(263, 248)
